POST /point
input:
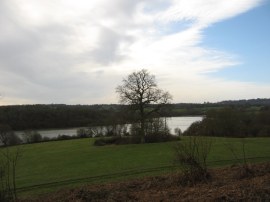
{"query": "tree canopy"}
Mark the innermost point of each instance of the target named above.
(140, 90)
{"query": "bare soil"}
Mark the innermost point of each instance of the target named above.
(234, 183)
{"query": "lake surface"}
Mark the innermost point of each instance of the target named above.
(182, 122)
(173, 122)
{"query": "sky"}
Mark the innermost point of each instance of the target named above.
(78, 51)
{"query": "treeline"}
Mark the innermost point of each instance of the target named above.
(233, 122)
(183, 109)
(249, 102)
(25, 117)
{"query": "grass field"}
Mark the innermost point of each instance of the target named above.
(76, 162)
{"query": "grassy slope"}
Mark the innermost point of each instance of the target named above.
(64, 160)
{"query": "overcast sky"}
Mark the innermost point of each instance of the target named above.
(78, 51)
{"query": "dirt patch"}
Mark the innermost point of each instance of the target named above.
(227, 184)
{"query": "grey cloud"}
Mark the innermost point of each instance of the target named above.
(34, 52)
(108, 47)
(35, 61)
(34, 64)
(122, 12)
(55, 88)
(122, 9)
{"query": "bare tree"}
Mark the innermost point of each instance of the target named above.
(240, 156)
(8, 164)
(140, 90)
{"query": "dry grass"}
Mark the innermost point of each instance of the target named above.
(223, 186)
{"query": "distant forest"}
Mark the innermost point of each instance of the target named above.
(24, 117)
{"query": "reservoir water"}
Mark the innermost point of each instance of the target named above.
(173, 122)
(182, 122)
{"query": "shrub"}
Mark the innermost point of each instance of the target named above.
(118, 140)
(84, 133)
(64, 137)
(32, 136)
(178, 132)
(14, 139)
(100, 142)
(191, 154)
(8, 165)
(7, 136)
(160, 137)
(46, 139)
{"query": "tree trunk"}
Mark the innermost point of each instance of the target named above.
(142, 120)
(142, 131)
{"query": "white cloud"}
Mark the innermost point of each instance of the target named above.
(67, 51)
(206, 12)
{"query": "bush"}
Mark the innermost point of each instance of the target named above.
(84, 133)
(160, 137)
(119, 140)
(191, 154)
(46, 139)
(7, 136)
(32, 136)
(65, 137)
(178, 132)
(14, 139)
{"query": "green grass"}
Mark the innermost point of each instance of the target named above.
(67, 160)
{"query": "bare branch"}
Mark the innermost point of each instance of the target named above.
(140, 90)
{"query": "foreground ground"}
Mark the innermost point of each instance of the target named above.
(46, 167)
(226, 184)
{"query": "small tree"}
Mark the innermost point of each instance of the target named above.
(140, 90)
(7, 136)
(14, 139)
(98, 131)
(32, 136)
(178, 131)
